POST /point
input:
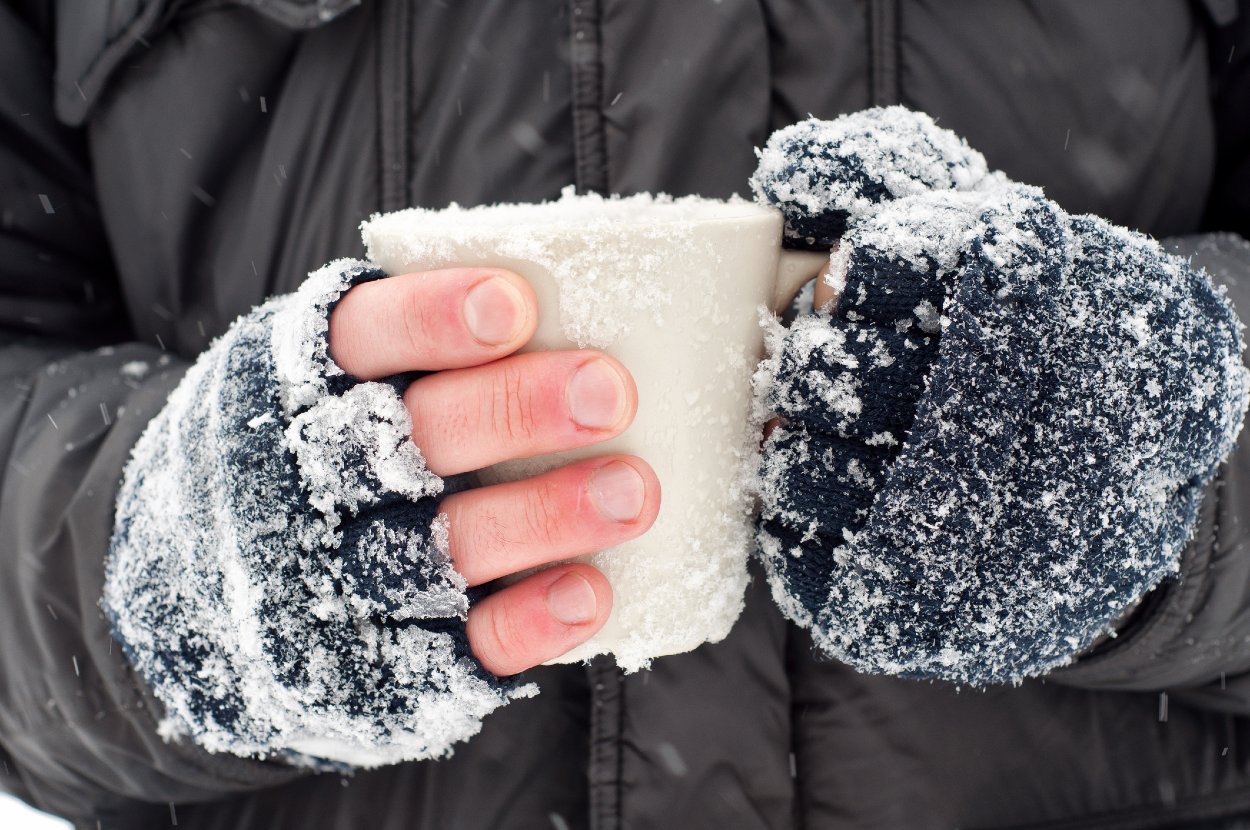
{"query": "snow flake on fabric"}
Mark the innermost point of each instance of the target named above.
(279, 572)
(824, 174)
(1031, 461)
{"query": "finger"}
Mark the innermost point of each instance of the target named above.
(538, 618)
(518, 407)
(431, 320)
(824, 295)
(573, 510)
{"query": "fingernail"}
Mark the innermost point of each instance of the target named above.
(618, 491)
(571, 600)
(492, 311)
(596, 395)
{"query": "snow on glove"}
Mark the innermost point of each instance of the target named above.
(278, 571)
(823, 175)
(847, 383)
(976, 486)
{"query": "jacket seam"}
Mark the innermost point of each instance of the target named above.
(798, 807)
(74, 106)
(1220, 12)
(300, 14)
(1220, 805)
(590, 164)
(883, 52)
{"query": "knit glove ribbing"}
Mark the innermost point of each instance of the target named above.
(977, 489)
(278, 571)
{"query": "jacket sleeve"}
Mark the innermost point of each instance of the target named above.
(78, 729)
(1228, 207)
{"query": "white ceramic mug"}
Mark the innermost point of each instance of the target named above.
(672, 288)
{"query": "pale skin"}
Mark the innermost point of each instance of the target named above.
(486, 404)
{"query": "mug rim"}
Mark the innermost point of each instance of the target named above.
(586, 213)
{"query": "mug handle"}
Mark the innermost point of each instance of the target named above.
(794, 270)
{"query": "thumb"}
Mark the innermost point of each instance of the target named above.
(825, 294)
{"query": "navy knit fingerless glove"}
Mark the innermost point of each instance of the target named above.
(998, 442)
(846, 383)
(278, 572)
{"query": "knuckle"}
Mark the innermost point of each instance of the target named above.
(417, 322)
(488, 544)
(541, 515)
(420, 428)
(514, 408)
(343, 333)
(507, 640)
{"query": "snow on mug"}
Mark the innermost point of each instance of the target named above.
(671, 288)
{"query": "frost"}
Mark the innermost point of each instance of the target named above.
(1086, 386)
(260, 420)
(928, 317)
(569, 239)
(606, 263)
(353, 449)
(278, 572)
(811, 335)
(135, 369)
(299, 340)
(824, 175)
(932, 229)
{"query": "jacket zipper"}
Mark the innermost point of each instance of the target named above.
(607, 709)
(590, 148)
(395, 121)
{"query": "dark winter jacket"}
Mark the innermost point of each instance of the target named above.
(190, 159)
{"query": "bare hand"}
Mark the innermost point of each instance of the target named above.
(486, 405)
